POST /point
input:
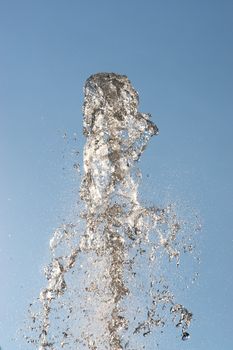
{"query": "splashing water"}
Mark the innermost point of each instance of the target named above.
(106, 288)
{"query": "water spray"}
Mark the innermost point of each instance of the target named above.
(105, 286)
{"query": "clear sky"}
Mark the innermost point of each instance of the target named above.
(178, 55)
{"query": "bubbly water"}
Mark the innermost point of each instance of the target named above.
(106, 281)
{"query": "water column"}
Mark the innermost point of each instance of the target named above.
(112, 267)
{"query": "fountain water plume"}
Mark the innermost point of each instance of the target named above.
(104, 279)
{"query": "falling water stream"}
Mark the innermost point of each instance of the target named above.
(105, 283)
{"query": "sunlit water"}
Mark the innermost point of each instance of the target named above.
(108, 281)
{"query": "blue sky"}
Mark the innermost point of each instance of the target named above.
(178, 55)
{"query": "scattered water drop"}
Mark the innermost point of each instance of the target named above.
(185, 336)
